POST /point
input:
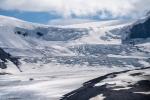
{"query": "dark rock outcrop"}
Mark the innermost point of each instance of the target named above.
(141, 30)
(89, 90)
(138, 32)
(4, 57)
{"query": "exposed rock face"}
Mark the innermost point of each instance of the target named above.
(130, 85)
(4, 57)
(141, 30)
(138, 32)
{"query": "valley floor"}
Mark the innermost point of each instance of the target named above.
(47, 85)
(111, 84)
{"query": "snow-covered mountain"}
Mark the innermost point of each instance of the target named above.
(24, 38)
(15, 33)
(21, 34)
(73, 44)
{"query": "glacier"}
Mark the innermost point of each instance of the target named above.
(55, 60)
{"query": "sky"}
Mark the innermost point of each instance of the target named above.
(73, 11)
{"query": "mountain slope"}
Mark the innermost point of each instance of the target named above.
(16, 33)
(137, 31)
(123, 85)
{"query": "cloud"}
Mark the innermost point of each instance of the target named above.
(68, 8)
(69, 21)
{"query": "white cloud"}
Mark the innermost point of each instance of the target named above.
(69, 21)
(80, 7)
